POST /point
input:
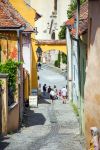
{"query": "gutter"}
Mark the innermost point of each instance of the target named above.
(12, 29)
(78, 54)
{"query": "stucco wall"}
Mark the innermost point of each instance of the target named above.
(45, 8)
(13, 118)
(92, 85)
(75, 86)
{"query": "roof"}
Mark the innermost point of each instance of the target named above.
(8, 18)
(83, 22)
(51, 42)
(11, 19)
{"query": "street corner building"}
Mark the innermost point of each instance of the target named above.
(15, 44)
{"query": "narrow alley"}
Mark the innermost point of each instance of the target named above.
(49, 75)
(48, 127)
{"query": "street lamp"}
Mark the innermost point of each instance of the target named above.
(39, 53)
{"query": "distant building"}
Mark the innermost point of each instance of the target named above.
(53, 14)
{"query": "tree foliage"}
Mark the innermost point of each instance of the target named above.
(62, 33)
(64, 58)
(73, 7)
(10, 67)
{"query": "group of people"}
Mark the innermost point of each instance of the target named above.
(54, 93)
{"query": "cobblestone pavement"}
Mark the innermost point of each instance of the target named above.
(48, 127)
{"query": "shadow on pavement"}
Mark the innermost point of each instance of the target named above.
(3, 144)
(32, 119)
(43, 99)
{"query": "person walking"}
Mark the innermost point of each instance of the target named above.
(49, 90)
(52, 95)
(44, 90)
(39, 91)
(56, 92)
(64, 93)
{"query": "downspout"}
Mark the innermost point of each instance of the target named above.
(20, 77)
(78, 54)
(69, 64)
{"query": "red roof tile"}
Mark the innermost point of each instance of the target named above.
(10, 18)
(70, 21)
(7, 18)
(83, 23)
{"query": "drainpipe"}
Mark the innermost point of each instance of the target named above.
(78, 53)
(69, 64)
(20, 77)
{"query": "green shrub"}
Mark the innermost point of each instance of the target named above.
(75, 109)
(56, 63)
(64, 58)
(10, 67)
(62, 33)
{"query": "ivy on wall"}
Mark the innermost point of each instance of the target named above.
(10, 67)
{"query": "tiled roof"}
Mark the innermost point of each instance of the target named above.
(10, 18)
(83, 22)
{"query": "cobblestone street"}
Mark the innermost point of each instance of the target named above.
(48, 127)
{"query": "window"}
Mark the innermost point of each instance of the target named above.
(55, 5)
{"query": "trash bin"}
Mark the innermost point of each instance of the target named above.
(33, 98)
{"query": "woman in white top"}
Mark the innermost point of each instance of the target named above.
(64, 94)
(52, 95)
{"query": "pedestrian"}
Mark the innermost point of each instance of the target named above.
(49, 89)
(64, 93)
(44, 90)
(39, 91)
(52, 95)
(56, 92)
(39, 65)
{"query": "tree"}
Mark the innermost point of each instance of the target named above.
(73, 7)
(62, 33)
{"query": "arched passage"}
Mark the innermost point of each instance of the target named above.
(47, 45)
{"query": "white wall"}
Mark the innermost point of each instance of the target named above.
(62, 12)
(45, 8)
(27, 54)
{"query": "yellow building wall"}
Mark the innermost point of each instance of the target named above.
(25, 10)
(46, 48)
(28, 14)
